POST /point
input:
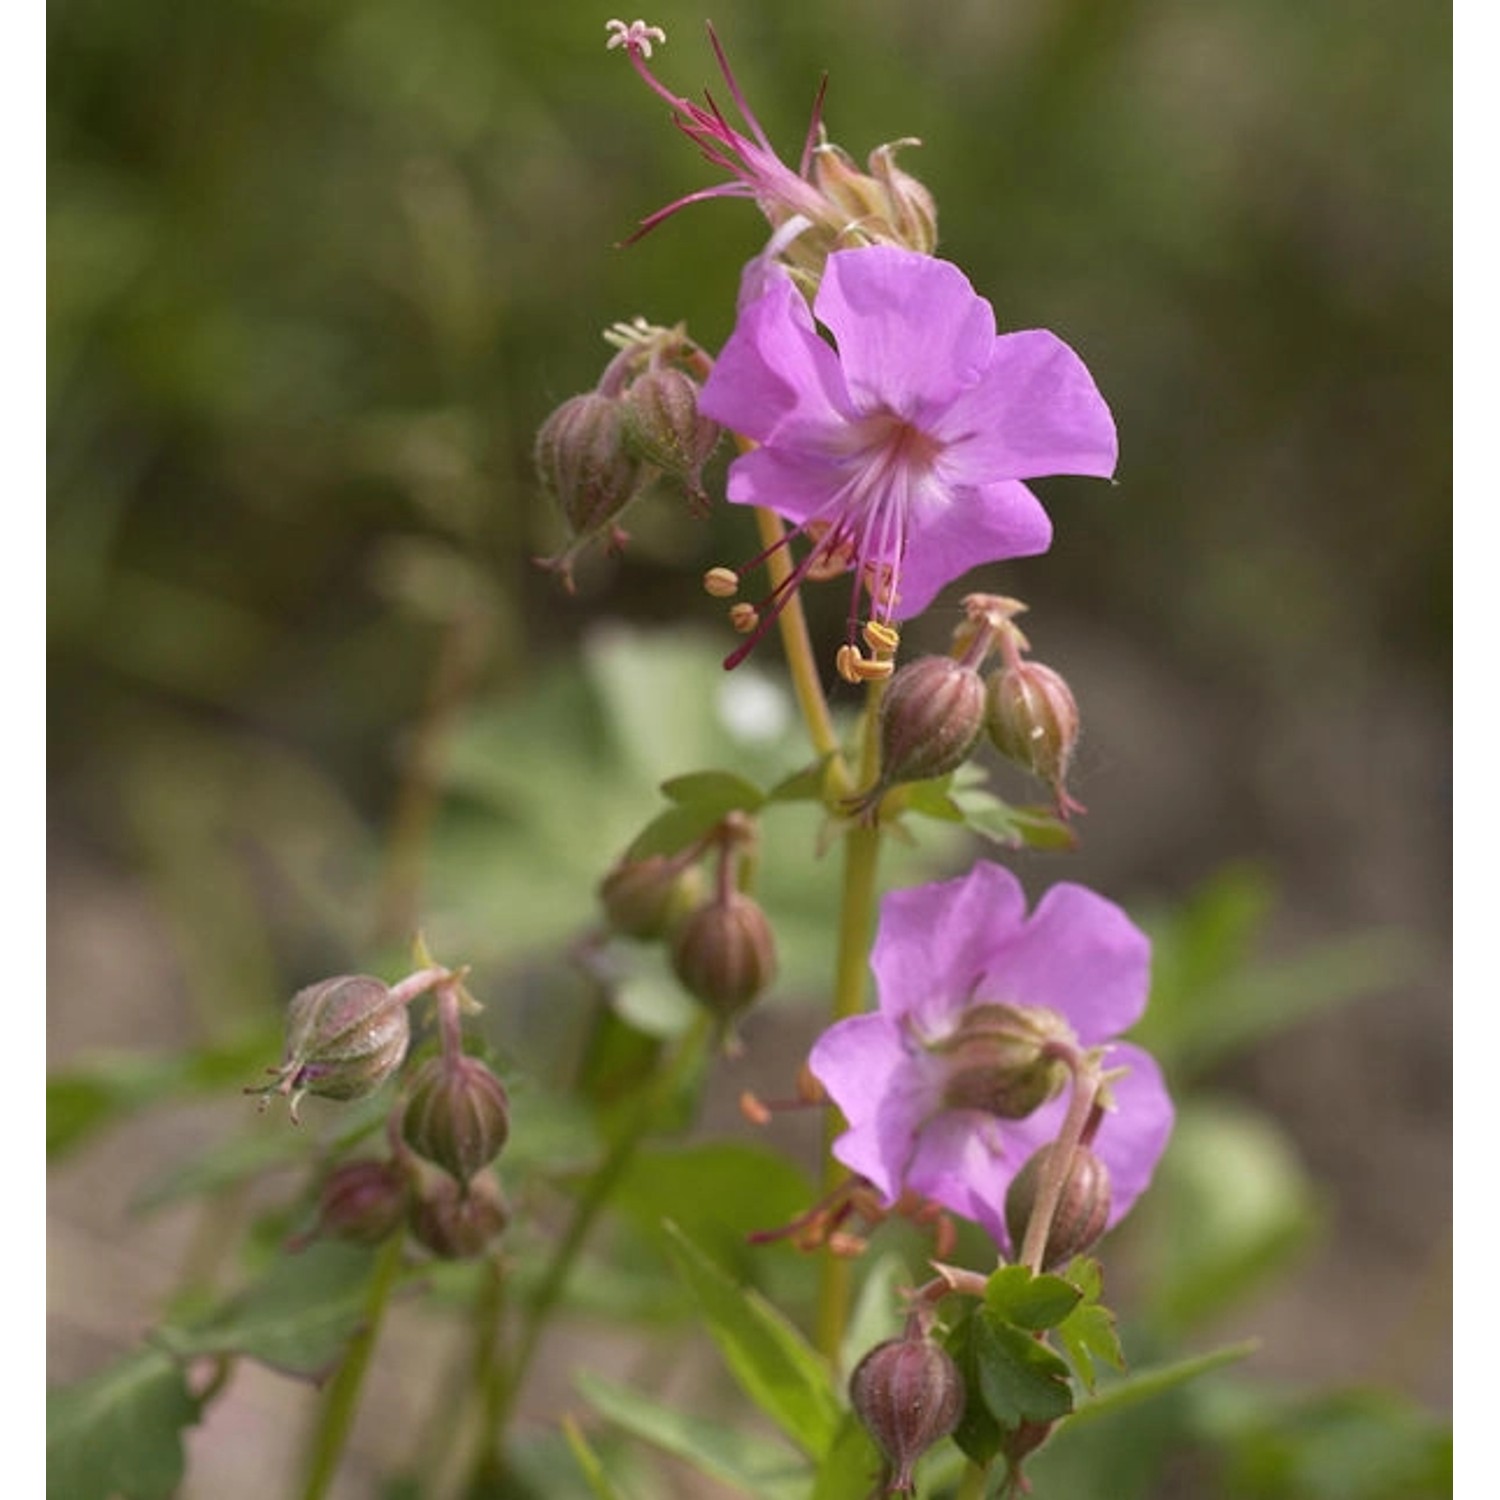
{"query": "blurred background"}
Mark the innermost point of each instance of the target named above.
(319, 268)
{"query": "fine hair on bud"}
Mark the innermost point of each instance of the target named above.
(724, 953)
(646, 898)
(930, 718)
(344, 1038)
(909, 1395)
(1083, 1207)
(457, 1221)
(457, 1115)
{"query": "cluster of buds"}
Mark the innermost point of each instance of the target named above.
(909, 1395)
(934, 710)
(599, 450)
(345, 1037)
(721, 945)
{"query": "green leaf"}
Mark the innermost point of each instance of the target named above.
(672, 831)
(1012, 827)
(1028, 1300)
(298, 1318)
(119, 1432)
(589, 1462)
(774, 1364)
(875, 1317)
(1088, 1334)
(851, 1467)
(1020, 1378)
(805, 785)
(1144, 1384)
(715, 1194)
(98, 1091)
(1229, 1207)
(722, 791)
(978, 1434)
(747, 1462)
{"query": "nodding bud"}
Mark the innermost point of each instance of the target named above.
(724, 953)
(1001, 1060)
(585, 462)
(930, 717)
(363, 1201)
(664, 428)
(1032, 718)
(1082, 1212)
(646, 898)
(344, 1038)
(457, 1221)
(909, 1394)
(457, 1115)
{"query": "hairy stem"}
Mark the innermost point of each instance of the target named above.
(856, 931)
(1059, 1162)
(342, 1401)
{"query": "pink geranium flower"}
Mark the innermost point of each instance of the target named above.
(900, 448)
(1077, 965)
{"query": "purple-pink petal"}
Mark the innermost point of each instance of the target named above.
(912, 333)
(1079, 955)
(935, 941)
(1035, 410)
(775, 372)
(990, 524)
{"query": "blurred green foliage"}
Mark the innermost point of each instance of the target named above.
(318, 268)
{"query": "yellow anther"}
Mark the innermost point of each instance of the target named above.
(847, 663)
(743, 617)
(722, 583)
(881, 638)
(873, 670)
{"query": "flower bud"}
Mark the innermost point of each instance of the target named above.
(725, 953)
(364, 1201)
(1000, 1061)
(344, 1038)
(909, 1394)
(663, 426)
(1082, 1212)
(1032, 718)
(456, 1115)
(930, 717)
(583, 459)
(457, 1221)
(913, 212)
(645, 898)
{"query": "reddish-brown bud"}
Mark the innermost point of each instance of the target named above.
(930, 717)
(909, 1394)
(725, 953)
(645, 898)
(1032, 718)
(364, 1201)
(664, 428)
(1082, 1212)
(344, 1038)
(456, 1115)
(1000, 1060)
(457, 1221)
(583, 459)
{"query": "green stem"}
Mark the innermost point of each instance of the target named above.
(807, 683)
(595, 1195)
(856, 932)
(342, 1401)
(972, 1485)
